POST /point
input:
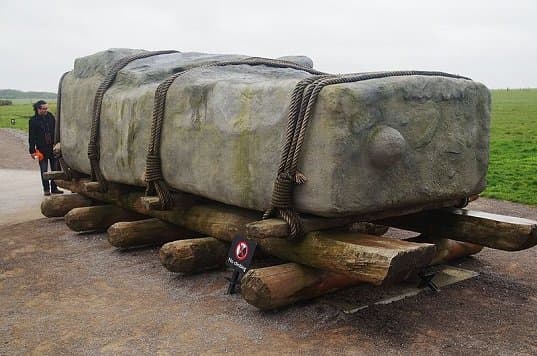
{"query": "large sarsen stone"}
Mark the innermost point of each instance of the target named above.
(371, 146)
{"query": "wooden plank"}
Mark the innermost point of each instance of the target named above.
(491, 230)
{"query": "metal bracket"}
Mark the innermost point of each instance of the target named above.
(427, 280)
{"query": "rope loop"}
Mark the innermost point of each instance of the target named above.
(93, 151)
(93, 145)
(283, 191)
(293, 221)
(153, 173)
(153, 168)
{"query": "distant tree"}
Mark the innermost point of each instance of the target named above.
(4, 102)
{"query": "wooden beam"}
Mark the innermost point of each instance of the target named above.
(59, 205)
(194, 255)
(278, 228)
(54, 175)
(447, 249)
(261, 229)
(98, 218)
(491, 230)
(368, 228)
(370, 258)
(125, 234)
(277, 286)
(150, 203)
(93, 187)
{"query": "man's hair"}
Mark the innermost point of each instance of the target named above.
(38, 104)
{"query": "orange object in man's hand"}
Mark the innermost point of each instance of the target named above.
(39, 154)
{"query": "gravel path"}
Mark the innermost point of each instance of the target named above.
(14, 147)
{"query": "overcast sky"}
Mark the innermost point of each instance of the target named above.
(494, 42)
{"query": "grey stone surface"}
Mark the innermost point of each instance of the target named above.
(374, 145)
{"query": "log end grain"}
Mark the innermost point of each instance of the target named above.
(193, 255)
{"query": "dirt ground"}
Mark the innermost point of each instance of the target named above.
(67, 293)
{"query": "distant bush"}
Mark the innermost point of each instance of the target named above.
(4, 102)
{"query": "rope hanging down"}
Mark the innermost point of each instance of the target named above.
(153, 173)
(93, 145)
(306, 93)
(63, 165)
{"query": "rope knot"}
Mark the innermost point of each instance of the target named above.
(300, 178)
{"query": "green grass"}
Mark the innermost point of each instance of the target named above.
(21, 111)
(512, 173)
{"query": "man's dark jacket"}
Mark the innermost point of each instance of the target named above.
(41, 134)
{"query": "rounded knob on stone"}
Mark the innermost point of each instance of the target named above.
(386, 146)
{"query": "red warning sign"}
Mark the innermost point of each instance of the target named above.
(241, 251)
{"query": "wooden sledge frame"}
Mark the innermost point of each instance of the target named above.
(324, 268)
(368, 258)
(490, 230)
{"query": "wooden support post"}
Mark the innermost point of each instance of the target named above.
(98, 218)
(55, 175)
(194, 255)
(59, 205)
(125, 234)
(491, 230)
(370, 258)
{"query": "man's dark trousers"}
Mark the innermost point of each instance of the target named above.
(43, 165)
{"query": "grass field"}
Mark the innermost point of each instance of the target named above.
(21, 111)
(512, 171)
(26, 101)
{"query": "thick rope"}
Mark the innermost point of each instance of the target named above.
(298, 120)
(93, 145)
(283, 186)
(63, 165)
(153, 174)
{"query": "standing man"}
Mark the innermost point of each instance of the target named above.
(41, 137)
